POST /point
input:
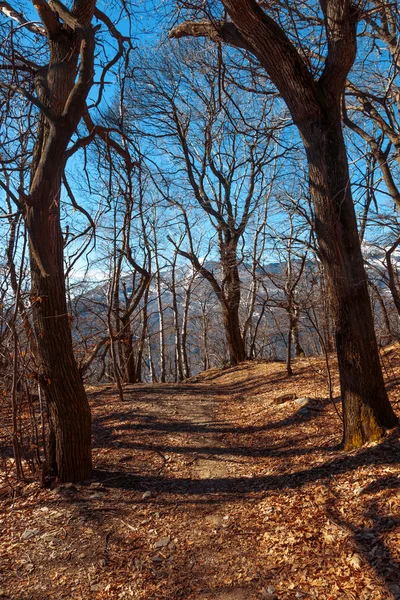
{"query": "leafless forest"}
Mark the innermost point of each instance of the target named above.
(192, 187)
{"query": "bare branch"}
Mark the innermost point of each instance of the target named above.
(13, 14)
(48, 18)
(216, 31)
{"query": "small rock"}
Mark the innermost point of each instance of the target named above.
(96, 485)
(71, 487)
(268, 595)
(95, 496)
(103, 562)
(146, 495)
(302, 401)
(217, 521)
(138, 564)
(284, 398)
(157, 560)
(162, 542)
(29, 533)
(356, 561)
(270, 589)
(95, 587)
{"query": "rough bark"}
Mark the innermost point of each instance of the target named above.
(366, 408)
(231, 302)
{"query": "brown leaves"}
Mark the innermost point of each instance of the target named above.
(208, 489)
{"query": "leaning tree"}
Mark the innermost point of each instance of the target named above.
(312, 85)
(48, 64)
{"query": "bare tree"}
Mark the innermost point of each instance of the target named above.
(223, 152)
(314, 97)
(49, 67)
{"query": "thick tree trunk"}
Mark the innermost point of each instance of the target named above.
(366, 408)
(231, 302)
(236, 349)
(58, 374)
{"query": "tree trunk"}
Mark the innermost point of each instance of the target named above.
(152, 374)
(231, 302)
(391, 276)
(177, 331)
(366, 408)
(58, 373)
(162, 362)
(206, 355)
(389, 333)
(236, 349)
(184, 331)
(298, 350)
(327, 324)
(129, 357)
(289, 370)
(143, 335)
(62, 95)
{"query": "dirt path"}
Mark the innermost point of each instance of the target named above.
(211, 491)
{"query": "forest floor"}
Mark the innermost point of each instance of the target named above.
(215, 489)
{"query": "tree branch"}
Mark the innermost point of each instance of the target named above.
(48, 18)
(340, 24)
(216, 31)
(75, 100)
(11, 13)
(28, 96)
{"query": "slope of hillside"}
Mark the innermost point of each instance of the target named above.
(215, 489)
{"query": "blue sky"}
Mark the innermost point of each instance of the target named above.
(148, 28)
